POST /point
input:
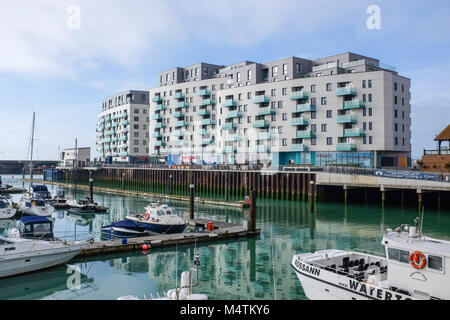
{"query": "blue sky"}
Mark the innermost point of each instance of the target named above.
(63, 74)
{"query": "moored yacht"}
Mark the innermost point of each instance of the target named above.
(35, 207)
(7, 208)
(414, 268)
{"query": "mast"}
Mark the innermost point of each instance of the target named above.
(32, 146)
(75, 166)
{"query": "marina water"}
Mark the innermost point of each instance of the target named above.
(251, 268)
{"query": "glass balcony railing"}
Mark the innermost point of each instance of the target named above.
(178, 114)
(157, 135)
(180, 143)
(345, 91)
(234, 114)
(261, 124)
(232, 138)
(306, 107)
(354, 104)
(229, 149)
(178, 95)
(346, 147)
(265, 136)
(228, 126)
(354, 132)
(299, 95)
(299, 122)
(157, 99)
(306, 134)
(160, 107)
(160, 125)
(204, 93)
(346, 119)
(207, 122)
(229, 103)
(181, 124)
(206, 142)
(267, 111)
(204, 112)
(204, 132)
(157, 117)
(182, 104)
(299, 148)
(261, 99)
(160, 144)
(261, 149)
(178, 133)
(207, 102)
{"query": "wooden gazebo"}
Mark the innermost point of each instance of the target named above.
(443, 136)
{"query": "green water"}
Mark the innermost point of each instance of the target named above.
(256, 268)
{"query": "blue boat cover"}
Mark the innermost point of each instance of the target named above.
(127, 224)
(39, 188)
(34, 219)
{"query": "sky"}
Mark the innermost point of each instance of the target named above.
(60, 58)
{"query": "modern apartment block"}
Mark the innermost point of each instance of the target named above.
(122, 129)
(346, 109)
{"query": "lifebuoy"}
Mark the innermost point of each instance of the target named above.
(418, 260)
(147, 216)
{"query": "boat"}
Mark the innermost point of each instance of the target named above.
(19, 256)
(7, 208)
(84, 206)
(35, 207)
(34, 227)
(124, 229)
(413, 268)
(4, 187)
(159, 219)
(38, 191)
(59, 201)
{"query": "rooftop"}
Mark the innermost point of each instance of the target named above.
(444, 135)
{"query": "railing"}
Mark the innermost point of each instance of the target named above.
(436, 152)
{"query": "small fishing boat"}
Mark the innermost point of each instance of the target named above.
(35, 207)
(159, 219)
(84, 206)
(124, 229)
(413, 268)
(20, 256)
(7, 208)
(59, 201)
(35, 227)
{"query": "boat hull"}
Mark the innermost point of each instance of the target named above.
(36, 260)
(46, 211)
(162, 228)
(7, 213)
(113, 232)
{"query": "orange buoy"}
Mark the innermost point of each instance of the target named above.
(145, 247)
(418, 260)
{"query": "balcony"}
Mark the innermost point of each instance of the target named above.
(207, 102)
(229, 103)
(178, 114)
(261, 124)
(157, 99)
(355, 132)
(157, 117)
(345, 91)
(110, 133)
(178, 133)
(261, 149)
(234, 114)
(204, 93)
(125, 123)
(306, 107)
(261, 99)
(160, 107)
(206, 142)
(299, 122)
(181, 105)
(204, 112)
(160, 125)
(115, 125)
(204, 132)
(108, 140)
(266, 111)
(305, 134)
(180, 143)
(181, 124)
(207, 122)
(124, 154)
(299, 148)
(178, 95)
(160, 144)
(124, 130)
(233, 138)
(354, 104)
(114, 139)
(157, 135)
(265, 136)
(299, 95)
(346, 147)
(346, 119)
(229, 149)
(124, 139)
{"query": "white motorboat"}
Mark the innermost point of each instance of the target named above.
(18, 256)
(7, 208)
(36, 207)
(414, 268)
(159, 219)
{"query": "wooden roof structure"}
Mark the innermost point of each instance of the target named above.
(444, 135)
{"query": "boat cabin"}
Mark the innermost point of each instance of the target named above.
(38, 202)
(417, 265)
(41, 191)
(35, 227)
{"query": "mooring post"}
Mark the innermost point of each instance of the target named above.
(123, 181)
(383, 198)
(311, 197)
(226, 186)
(420, 195)
(171, 184)
(191, 201)
(439, 200)
(252, 227)
(91, 187)
(345, 195)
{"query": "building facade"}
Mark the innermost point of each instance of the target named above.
(79, 157)
(345, 109)
(123, 128)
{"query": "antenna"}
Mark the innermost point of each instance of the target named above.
(32, 147)
(421, 222)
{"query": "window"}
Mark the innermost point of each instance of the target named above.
(284, 116)
(329, 113)
(396, 141)
(313, 101)
(403, 101)
(329, 87)
(284, 91)
(297, 68)
(370, 111)
(273, 92)
(240, 96)
(136, 118)
(313, 128)
(329, 141)
(284, 142)
(396, 127)
(280, 104)
(364, 97)
(313, 88)
(249, 119)
(313, 141)
(370, 126)
(364, 126)
(324, 128)
(285, 69)
(273, 117)
(364, 84)
(238, 76)
(395, 86)
(435, 263)
(365, 140)
(275, 71)
(323, 100)
(280, 130)
(395, 113)
(313, 115)
(370, 140)
(249, 74)
(370, 83)
(395, 99)
(398, 255)
(249, 95)
(370, 97)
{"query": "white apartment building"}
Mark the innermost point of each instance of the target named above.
(123, 128)
(78, 157)
(345, 109)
